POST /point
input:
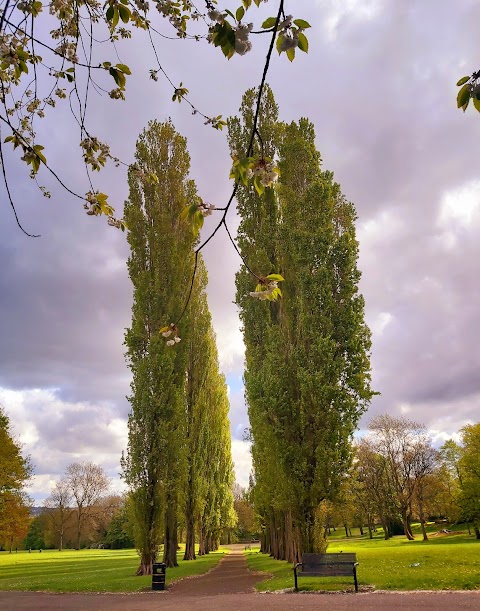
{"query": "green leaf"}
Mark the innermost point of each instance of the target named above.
(476, 103)
(465, 106)
(463, 80)
(124, 13)
(240, 13)
(303, 42)
(259, 188)
(269, 23)
(125, 69)
(463, 96)
(247, 4)
(301, 23)
(109, 13)
(279, 43)
(116, 17)
(38, 151)
(291, 54)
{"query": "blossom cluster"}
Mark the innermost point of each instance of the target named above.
(265, 293)
(266, 171)
(68, 50)
(169, 9)
(242, 43)
(172, 332)
(206, 209)
(95, 153)
(267, 288)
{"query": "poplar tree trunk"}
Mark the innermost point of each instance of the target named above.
(171, 540)
(201, 537)
(147, 558)
(190, 520)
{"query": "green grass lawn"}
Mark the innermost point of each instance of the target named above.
(444, 563)
(92, 570)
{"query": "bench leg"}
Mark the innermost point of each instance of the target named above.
(355, 578)
(296, 582)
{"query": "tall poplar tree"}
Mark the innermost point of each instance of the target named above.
(325, 341)
(209, 478)
(160, 266)
(307, 374)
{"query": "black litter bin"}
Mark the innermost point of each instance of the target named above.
(158, 575)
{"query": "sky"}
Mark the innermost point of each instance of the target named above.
(379, 85)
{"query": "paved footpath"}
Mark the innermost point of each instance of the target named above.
(229, 587)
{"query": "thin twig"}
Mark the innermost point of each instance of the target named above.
(2, 162)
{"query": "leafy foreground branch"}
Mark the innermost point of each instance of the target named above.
(32, 84)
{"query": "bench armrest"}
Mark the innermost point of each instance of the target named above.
(356, 563)
(297, 565)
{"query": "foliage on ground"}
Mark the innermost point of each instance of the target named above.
(443, 563)
(89, 570)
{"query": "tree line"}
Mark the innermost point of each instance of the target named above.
(397, 478)
(178, 464)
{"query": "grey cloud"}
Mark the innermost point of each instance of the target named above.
(381, 93)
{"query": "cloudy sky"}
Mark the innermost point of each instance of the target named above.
(379, 84)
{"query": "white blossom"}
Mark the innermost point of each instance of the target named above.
(287, 23)
(215, 15)
(262, 295)
(242, 32)
(207, 209)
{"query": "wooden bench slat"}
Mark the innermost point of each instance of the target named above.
(328, 571)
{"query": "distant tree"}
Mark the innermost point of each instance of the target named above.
(405, 454)
(88, 483)
(374, 485)
(15, 471)
(247, 524)
(120, 530)
(35, 536)
(59, 509)
(424, 460)
(104, 511)
(470, 475)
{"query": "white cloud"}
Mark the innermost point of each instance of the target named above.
(56, 432)
(460, 206)
(242, 460)
(355, 10)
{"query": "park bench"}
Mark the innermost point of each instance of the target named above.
(327, 565)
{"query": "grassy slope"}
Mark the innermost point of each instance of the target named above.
(88, 570)
(445, 563)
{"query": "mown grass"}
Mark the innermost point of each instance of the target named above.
(92, 570)
(443, 563)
